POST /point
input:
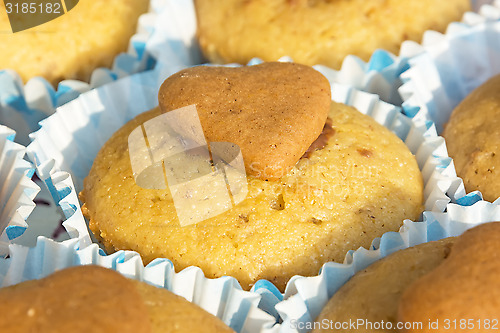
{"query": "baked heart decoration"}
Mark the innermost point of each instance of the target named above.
(77, 299)
(465, 286)
(273, 111)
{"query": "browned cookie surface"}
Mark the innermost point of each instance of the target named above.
(272, 111)
(94, 299)
(170, 313)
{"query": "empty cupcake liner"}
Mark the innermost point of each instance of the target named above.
(310, 294)
(17, 190)
(221, 297)
(164, 34)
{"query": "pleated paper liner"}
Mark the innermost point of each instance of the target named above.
(163, 34)
(17, 190)
(442, 73)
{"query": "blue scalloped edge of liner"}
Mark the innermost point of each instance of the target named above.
(14, 231)
(124, 63)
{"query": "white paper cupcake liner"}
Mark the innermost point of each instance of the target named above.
(483, 11)
(17, 190)
(164, 34)
(444, 73)
(221, 297)
(380, 75)
(310, 294)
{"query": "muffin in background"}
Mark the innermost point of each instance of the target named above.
(473, 139)
(71, 46)
(92, 298)
(316, 31)
(464, 286)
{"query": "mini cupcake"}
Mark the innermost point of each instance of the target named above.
(315, 177)
(142, 90)
(17, 190)
(316, 32)
(99, 299)
(473, 139)
(72, 45)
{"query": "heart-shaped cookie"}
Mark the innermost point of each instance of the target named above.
(78, 299)
(272, 111)
(464, 287)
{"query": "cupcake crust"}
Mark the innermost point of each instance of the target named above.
(463, 288)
